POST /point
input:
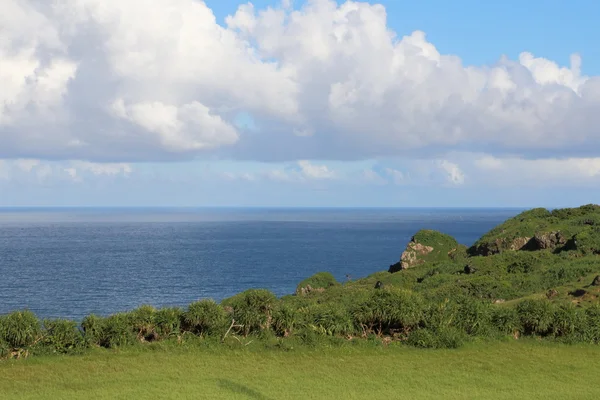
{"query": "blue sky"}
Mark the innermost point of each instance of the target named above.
(493, 105)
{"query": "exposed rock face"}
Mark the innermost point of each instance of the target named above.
(428, 246)
(549, 240)
(500, 245)
(309, 289)
(411, 256)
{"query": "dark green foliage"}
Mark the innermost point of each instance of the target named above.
(591, 334)
(331, 319)
(448, 337)
(506, 320)
(588, 240)
(285, 320)
(569, 322)
(204, 317)
(474, 317)
(118, 330)
(93, 327)
(62, 336)
(389, 310)
(320, 280)
(168, 321)
(536, 316)
(253, 309)
(19, 329)
(143, 323)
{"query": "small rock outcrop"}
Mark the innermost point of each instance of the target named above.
(551, 293)
(303, 291)
(413, 255)
(379, 285)
(499, 245)
(596, 281)
(549, 240)
(426, 246)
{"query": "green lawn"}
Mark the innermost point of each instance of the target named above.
(504, 370)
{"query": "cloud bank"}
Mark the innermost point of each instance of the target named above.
(124, 81)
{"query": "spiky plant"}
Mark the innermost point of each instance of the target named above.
(118, 331)
(536, 316)
(93, 330)
(253, 309)
(331, 319)
(20, 329)
(168, 321)
(285, 320)
(204, 317)
(63, 336)
(143, 323)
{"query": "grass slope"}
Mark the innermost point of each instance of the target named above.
(502, 370)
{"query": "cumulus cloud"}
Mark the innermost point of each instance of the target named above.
(125, 81)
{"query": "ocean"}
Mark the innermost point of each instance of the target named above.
(67, 263)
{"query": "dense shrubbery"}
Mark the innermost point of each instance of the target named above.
(443, 302)
(390, 314)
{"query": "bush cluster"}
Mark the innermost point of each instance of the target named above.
(395, 314)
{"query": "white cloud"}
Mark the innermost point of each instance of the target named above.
(513, 171)
(455, 174)
(311, 171)
(302, 171)
(125, 81)
(36, 171)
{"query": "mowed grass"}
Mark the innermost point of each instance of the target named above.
(501, 370)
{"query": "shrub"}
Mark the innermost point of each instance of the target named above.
(440, 315)
(204, 317)
(506, 320)
(591, 333)
(569, 322)
(536, 316)
(474, 317)
(285, 319)
(331, 319)
(143, 323)
(448, 337)
(93, 329)
(168, 321)
(20, 329)
(387, 310)
(62, 336)
(118, 330)
(253, 309)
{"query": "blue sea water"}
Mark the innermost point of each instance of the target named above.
(72, 262)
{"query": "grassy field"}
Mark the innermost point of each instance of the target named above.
(502, 370)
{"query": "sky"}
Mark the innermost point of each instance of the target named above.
(311, 103)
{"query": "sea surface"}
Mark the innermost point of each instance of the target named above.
(72, 262)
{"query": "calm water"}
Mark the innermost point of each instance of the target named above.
(72, 262)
